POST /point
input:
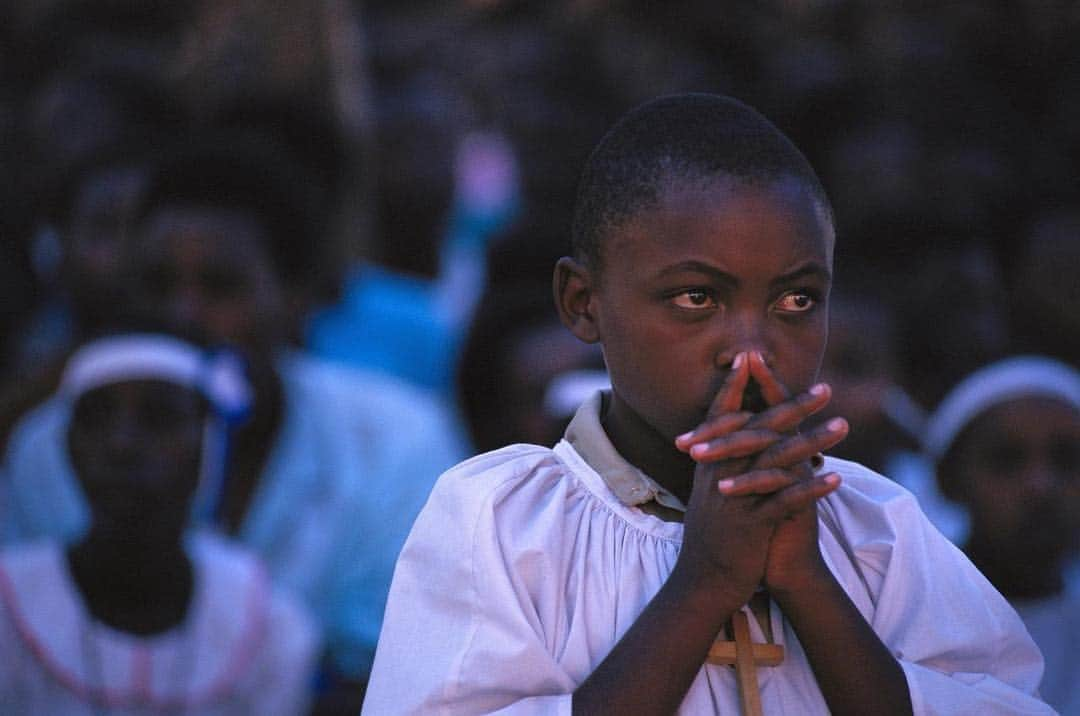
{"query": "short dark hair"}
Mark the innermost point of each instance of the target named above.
(678, 137)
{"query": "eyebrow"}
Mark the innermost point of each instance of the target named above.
(698, 267)
(809, 269)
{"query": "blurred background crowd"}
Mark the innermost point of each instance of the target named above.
(363, 202)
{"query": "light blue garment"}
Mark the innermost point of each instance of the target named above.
(408, 326)
(391, 323)
(355, 458)
(915, 471)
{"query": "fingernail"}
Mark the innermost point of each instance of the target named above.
(819, 389)
(684, 437)
(737, 363)
(725, 484)
(698, 449)
(835, 425)
(832, 479)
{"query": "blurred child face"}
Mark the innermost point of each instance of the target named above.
(1017, 467)
(97, 237)
(136, 447)
(715, 269)
(537, 357)
(207, 270)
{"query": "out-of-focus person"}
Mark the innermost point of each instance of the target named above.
(140, 613)
(324, 476)
(1006, 443)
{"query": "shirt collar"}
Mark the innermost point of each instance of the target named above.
(630, 485)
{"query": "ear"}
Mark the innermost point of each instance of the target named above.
(574, 289)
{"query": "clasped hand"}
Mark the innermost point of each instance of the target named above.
(752, 518)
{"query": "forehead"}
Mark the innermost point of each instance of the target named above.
(1026, 418)
(137, 391)
(724, 220)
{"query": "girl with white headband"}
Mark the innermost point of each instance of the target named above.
(135, 615)
(1006, 444)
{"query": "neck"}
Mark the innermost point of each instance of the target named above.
(645, 448)
(136, 586)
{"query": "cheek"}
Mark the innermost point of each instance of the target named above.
(998, 504)
(231, 320)
(185, 445)
(185, 459)
(798, 356)
(666, 376)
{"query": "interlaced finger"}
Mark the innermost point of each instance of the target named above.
(794, 449)
(729, 397)
(740, 443)
(711, 429)
(786, 416)
(772, 389)
(798, 496)
(756, 482)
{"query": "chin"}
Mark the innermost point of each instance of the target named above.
(143, 527)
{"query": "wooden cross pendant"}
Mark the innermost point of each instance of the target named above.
(746, 656)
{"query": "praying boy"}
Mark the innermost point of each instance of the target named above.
(683, 508)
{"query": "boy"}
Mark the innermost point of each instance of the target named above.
(595, 577)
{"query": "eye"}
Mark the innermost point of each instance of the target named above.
(219, 282)
(158, 281)
(796, 301)
(695, 299)
(1065, 456)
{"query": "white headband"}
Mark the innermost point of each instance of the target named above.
(149, 356)
(1020, 377)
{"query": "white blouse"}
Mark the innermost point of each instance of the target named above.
(524, 570)
(240, 650)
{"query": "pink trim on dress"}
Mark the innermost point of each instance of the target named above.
(243, 654)
(253, 638)
(141, 669)
(92, 694)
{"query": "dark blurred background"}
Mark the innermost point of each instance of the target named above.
(418, 163)
(946, 134)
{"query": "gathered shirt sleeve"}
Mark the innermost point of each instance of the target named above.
(461, 633)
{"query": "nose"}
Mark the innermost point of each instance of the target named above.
(121, 437)
(185, 304)
(741, 332)
(1040, 479)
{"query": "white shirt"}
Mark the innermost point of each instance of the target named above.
(1054, 623)
(241, 649)
(524, 569)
